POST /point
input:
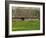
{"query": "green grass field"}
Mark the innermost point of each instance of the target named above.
(25, 25)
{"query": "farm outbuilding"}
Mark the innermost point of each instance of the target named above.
(25, 13)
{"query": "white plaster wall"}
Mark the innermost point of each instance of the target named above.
(29, 19)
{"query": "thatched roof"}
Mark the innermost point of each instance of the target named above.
(24, 12)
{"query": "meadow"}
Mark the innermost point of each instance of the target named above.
(26, 25)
